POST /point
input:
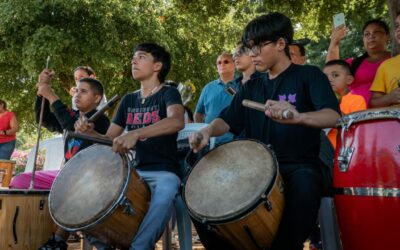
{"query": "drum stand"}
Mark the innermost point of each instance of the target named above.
(329, 225)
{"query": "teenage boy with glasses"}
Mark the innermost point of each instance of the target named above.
(303, 90)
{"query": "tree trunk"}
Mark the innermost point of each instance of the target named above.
(394, 7)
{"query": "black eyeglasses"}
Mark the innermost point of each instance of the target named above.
(256, 49)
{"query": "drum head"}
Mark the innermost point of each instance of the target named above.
(229, 180)
(369, 114)
(87, 187)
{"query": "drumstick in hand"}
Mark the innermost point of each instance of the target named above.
(287, 114)
(198, 139)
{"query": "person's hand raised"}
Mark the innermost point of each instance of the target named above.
(338, 34)
(45, 76)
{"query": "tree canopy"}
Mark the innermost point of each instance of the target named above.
(102, 33)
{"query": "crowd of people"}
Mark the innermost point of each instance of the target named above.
(273, 71)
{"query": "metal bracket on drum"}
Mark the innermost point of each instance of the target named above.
(344, 158)
(268, 203)
(346, 153)
(207, 225)
(127, 206)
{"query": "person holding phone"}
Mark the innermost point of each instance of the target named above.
(375, 38)
(386, 86)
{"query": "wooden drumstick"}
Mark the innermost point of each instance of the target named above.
(101, 111)
(287, 114)
(99, 140)
(39, 131)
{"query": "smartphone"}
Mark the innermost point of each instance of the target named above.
(47, 62)
(338, 20)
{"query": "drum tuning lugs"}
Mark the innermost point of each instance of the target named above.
(127, 206)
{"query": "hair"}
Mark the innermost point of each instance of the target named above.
(95, 85)
(301, 48)
(4, 104)
(160, 54)
(87, 69)
(341, 63)
(379, 22)
(270, 27)
(225, 54)
(358, 60)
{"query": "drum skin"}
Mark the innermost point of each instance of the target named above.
(236, 189)
(25, 222)
(88, 192)
(367, 196)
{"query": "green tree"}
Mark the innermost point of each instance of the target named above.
(102, 33)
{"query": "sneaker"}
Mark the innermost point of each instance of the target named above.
(52, 244)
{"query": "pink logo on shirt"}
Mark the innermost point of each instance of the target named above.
(290, 98)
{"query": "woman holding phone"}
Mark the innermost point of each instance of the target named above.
(375, 38)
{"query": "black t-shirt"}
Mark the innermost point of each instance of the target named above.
(305, 87)
(63, 118)
(157, 153)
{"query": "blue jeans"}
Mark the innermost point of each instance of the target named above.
(164, 187)
(6, 149)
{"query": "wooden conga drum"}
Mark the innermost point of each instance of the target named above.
(236, 190)
(25, 222)
(100, 193)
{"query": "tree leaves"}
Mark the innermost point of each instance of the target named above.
(102, 33)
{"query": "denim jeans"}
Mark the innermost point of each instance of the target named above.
(164, 187)
(6, 149)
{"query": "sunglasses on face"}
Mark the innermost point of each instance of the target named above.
(223, 62)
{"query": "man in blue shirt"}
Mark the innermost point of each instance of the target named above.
(214, 97)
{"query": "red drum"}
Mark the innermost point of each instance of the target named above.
(236, 189)
(98, 192)
(366, 179)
